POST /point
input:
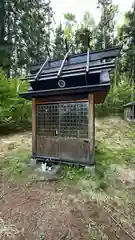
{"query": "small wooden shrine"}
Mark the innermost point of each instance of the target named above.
(64, 94)
(129, 111)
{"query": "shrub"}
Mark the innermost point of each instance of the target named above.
(114, 101)
(13, 110)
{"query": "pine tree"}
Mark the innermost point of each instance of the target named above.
(2, 21)
(85, 32)
(4, 41)
(59, 43)
(127, 37)
(69, 29)
(35, 30)
(25, 29)
(106, 27)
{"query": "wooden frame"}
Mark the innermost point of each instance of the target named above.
(129, 110)
(34, 126)
(91, 126)
(91, 129)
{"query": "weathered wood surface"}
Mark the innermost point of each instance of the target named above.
(99, 97)
(34, 125)
(63, 148)
(91, 124)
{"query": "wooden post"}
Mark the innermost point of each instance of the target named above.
(33, 126)
(91, 127)
(126, 114)
(132, 113)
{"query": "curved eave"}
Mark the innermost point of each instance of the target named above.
(73, 93)
(129, 104)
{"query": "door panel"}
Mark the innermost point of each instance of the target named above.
(62, 130)
(73, 120)
(74, 150)
(47, 130)
(48, 147)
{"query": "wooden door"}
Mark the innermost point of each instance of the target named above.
(73, 132)
(62, 131)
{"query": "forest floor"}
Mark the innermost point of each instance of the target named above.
(80, 204)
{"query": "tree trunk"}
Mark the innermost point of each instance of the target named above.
(2, 21)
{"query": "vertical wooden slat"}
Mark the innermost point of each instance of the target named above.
(91, 126)
(133, 113)
(33, 126)
(125, 114)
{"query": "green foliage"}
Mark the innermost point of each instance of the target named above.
(26, 26)
(13, 110)
(73, 173)
(81, 39)
(106, 26)
(69, 23)
(41, 236)
(105, 158)
(59, 44)
(114, 101)
(128, 155)
(15, 164)
(69, 28)
(85, 29)
(89, 21)
(126, 35)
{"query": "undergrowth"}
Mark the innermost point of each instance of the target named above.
(105, 159)
(14, 164)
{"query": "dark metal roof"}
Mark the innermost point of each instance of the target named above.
(80, 58)
(80, 74)
(72, 70)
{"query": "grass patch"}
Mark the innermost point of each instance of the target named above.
(105, 158)
(72, 173)
(96, 233)
(14, 164)
(128, 156)
(104, 184)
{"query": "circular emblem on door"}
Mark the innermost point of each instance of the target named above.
(61, 83)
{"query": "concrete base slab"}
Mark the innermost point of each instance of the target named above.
(43, 172)
(91, 170)
(32, 163)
